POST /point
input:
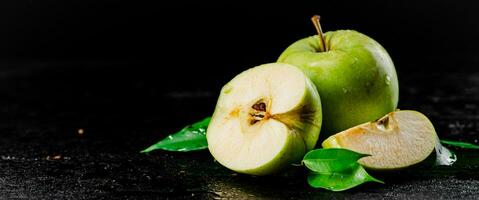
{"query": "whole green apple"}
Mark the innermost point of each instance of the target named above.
(354, 75)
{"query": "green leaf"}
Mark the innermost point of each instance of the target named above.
(331, 160)
(190, 138)
(464, 145)
(348, 178)
(336, 169)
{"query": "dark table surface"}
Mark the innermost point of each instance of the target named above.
(123, 109)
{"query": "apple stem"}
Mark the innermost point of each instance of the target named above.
(317, 25)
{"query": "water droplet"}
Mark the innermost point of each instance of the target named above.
(443, 155)
(387, 80)
(345, 90)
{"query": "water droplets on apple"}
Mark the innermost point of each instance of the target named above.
(387, 80)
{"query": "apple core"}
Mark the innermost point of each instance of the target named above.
(258, 112)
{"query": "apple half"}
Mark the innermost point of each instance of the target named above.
(266, 118)
(397, 140)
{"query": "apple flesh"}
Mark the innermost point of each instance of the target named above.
(266, 118)
(397, 140)
(355, 77)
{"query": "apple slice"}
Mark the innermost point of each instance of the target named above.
(265, 119)
(397, 140)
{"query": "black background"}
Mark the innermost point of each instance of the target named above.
(195, 37)
(130, 72)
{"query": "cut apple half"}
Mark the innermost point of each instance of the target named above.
(397, 140)
(266, 118)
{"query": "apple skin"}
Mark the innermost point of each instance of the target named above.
(356, 78)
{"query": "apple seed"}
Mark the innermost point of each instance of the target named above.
(258, 113)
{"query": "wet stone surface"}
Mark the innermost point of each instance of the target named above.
(75, 133)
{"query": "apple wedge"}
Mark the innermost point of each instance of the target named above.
(266, 118)
(397, 140)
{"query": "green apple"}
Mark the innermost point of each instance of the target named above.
(354, 74)
(397, 140)
(266, 118)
